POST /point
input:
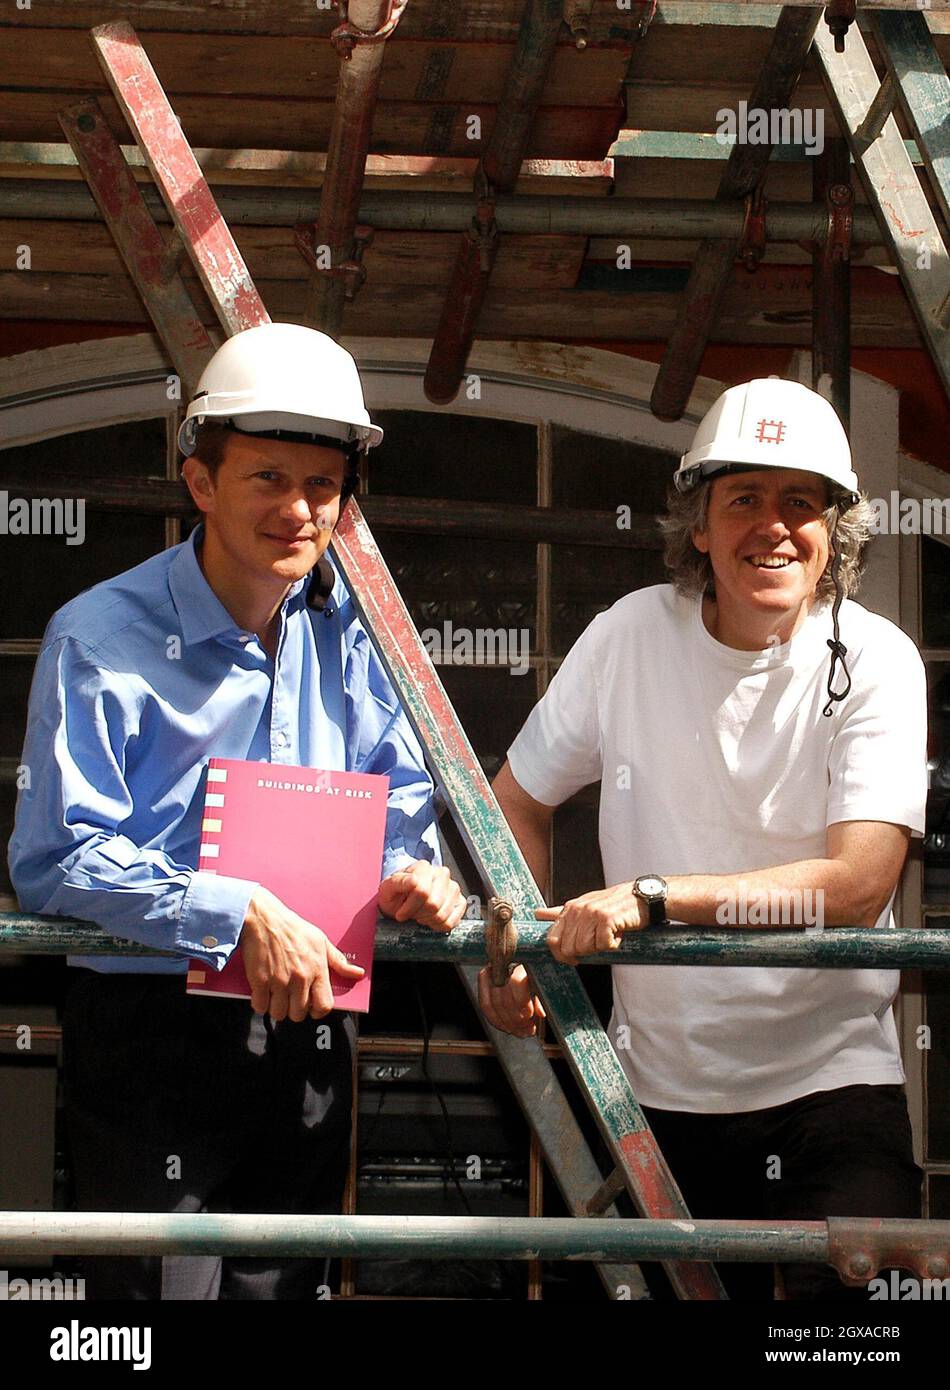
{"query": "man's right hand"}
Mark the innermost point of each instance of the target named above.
(512, 1007)
(288, 961)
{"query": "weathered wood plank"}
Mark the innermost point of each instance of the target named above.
(305, 169)
(699, 178)
(676, 107)
(407, 258)
(772, 306)
(604, 250)
(302, 68)
(652, 106)
(473, 21)
(400, 257)
(562, 133)
(693, 55)
(491, 21)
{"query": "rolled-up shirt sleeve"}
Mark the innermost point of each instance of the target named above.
(68, 855)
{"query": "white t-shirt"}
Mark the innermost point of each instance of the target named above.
(720, 761)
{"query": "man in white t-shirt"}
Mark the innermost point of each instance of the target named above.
(759, 766)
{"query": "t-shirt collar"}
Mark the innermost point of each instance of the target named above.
(808, 637)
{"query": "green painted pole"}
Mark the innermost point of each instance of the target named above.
(33, 1234)
(834, 948)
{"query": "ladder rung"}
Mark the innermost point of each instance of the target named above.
(609, 1190)
(878, 112)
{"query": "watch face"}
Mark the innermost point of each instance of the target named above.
(650, 887)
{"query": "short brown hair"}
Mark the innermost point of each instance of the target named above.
(209, 445)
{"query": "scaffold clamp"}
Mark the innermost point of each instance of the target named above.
(501, 940)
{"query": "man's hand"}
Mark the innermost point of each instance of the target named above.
(512, 1007)
(288, 961)
(596, 922)
(423, 893)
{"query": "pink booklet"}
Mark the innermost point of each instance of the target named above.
(315, 839)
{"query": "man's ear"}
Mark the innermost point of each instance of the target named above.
(700, 540)
(200, 483)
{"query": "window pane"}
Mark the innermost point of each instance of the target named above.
(430, 454)
(477, 586)
(586, 581)
(40, 573)
(594, 473)
(492, 706)
(935, 592)
(937, 839)
(937, 988)
(8, 795)
(16, 674)
(601, 474)
(939, 1188)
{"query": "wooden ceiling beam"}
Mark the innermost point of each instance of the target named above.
(771, 307)
(490, 21)
(231, 67)
(402, 128)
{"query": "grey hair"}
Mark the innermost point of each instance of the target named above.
(691, 571)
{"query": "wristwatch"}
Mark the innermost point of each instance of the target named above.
(653, 890)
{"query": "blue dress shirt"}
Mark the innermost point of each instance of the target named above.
(139, 681)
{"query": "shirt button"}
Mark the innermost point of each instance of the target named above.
(281, 740)
(209, 941)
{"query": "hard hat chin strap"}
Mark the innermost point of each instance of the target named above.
(838, 650)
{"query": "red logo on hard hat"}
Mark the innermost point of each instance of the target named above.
(771, 432)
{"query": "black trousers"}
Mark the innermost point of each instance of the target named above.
(846, 1152)
(178, 1104)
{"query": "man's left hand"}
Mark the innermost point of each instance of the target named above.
(593, 923)
(424, 893)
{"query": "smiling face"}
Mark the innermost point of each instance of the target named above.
(767, 542)
(269, 508)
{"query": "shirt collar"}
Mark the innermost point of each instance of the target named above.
(201, 613)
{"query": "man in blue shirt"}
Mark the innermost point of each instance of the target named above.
(240, 643)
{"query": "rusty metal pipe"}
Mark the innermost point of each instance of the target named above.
(714, 260)
(831, 280)
(498, 170)
(674, 219)
(350, 131)
(524, 85)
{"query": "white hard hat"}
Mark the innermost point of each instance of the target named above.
(770, 423)
(282, 376)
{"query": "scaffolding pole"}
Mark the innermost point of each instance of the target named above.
(856, 1247)
(831, 948)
